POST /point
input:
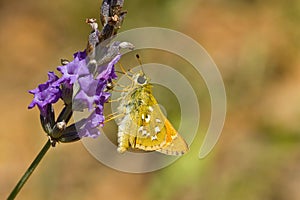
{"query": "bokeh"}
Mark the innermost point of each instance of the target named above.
(256, 47)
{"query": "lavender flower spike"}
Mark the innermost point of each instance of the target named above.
(92, 96)
(45, 94)
(86, 96)
(73, 70)
(107, 72)
(91, 90)
(89, 126)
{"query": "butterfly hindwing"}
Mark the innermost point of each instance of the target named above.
(151, 134)
(175, 144)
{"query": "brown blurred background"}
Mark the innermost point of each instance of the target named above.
(256, 47)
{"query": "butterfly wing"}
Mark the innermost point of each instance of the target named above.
(159, 134)
(150, 135)
(145, 127)
(142, 122)
(175, 144)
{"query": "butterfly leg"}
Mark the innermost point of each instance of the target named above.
(119, 85)
(113, 116)
(130, 70)
(115, 100)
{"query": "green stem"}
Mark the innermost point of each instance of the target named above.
(29, 171)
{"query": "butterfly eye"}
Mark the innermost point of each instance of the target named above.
(141, 80)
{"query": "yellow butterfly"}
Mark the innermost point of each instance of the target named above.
(143, 125)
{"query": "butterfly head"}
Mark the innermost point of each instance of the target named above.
(140, 78)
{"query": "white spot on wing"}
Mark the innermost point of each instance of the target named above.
(150, 108)
(144, 133)
(140, 129)
(157, 129)
(154, 137)
(158, 120)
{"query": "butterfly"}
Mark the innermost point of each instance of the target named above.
(143, 125)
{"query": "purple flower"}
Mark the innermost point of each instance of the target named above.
(101, 96)
(82, 85)
(107, 72)
(90, 125)
(91, 95)
(46, 93)
(73, 70)
(86, 96)
(92, 90)
(81, 55)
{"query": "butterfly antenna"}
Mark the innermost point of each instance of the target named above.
(140, 62)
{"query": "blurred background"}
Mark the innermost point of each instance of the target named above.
(254, 43)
